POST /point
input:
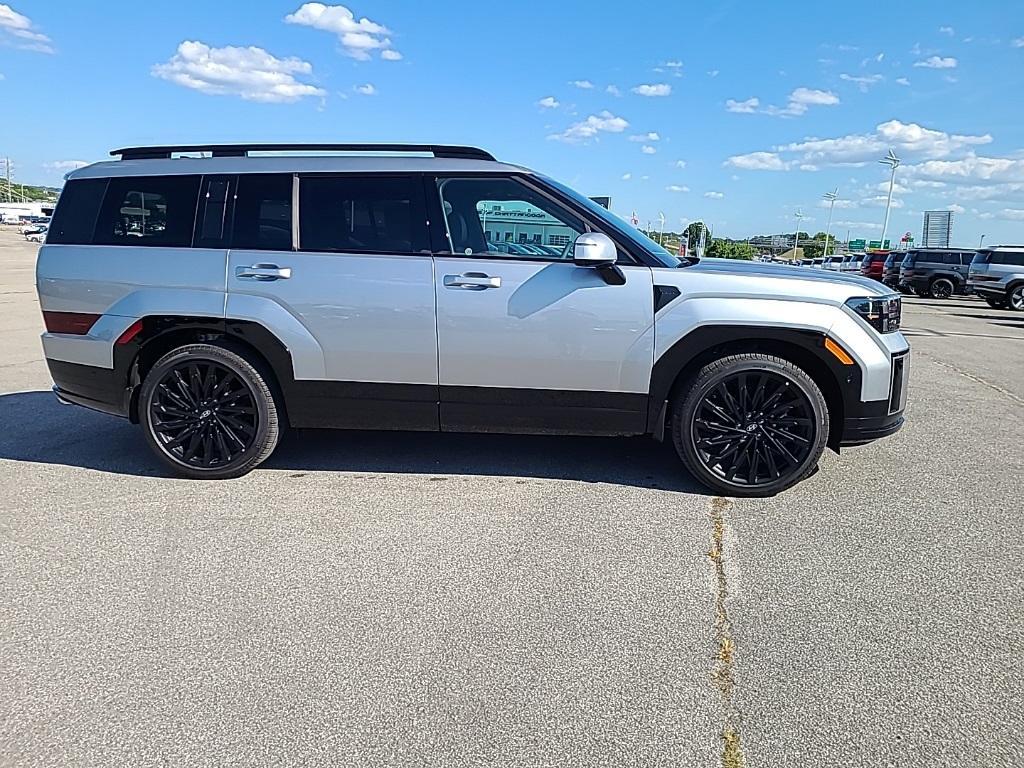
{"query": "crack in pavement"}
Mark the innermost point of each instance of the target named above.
(723, 674)
(973, 377)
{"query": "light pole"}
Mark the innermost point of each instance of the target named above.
(982, 242)
(831, 197)
(661, 238)
(894, 162)
(796, 240)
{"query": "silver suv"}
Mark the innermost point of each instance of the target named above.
(997, 275)
(216, 300)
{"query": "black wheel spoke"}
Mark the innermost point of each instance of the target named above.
(203, 414)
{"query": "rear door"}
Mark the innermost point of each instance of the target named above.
(346, 256)
(530, 342)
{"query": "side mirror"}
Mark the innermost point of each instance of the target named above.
(593, 249)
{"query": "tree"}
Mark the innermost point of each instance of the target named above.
(693, 233)
(727, 249)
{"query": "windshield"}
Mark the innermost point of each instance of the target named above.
(618, 224)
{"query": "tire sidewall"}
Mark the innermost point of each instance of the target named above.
(682, 423)
(238, 365)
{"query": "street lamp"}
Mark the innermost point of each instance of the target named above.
(831, 197)
(982, 241)
(894, 162)
(796, 241)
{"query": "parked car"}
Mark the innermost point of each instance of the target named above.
(833, 263)
(936, 272)
(36, 237)
(32, 229)
(358, 292)
(997, 275)
(891, 271)
(851, 262)
(873, 265)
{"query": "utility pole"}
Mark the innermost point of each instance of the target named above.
(831, 197)
(894, 162)
(796, 240)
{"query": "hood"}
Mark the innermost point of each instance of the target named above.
(772, 281)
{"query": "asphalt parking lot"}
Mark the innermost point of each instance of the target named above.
(445, 600)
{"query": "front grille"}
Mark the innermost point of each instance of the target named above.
(898, 390)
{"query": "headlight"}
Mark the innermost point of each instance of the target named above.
(881, 312)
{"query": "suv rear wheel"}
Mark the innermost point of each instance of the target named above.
(750, 425)
(941, 288)
(208, 412)
(1015, 297)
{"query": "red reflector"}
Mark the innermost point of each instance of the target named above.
(130, 332)
(77, 323)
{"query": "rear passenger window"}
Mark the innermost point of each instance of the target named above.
(362, 215)
(263, 212)
(148, 210)
(75, 218)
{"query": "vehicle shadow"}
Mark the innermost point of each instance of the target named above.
(37, 428)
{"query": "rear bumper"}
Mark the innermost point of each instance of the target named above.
(101, 389)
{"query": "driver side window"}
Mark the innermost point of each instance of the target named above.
(503, 218)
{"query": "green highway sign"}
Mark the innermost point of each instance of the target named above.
(877, 245)
(856, 245)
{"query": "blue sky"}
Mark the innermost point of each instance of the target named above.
(735, 112)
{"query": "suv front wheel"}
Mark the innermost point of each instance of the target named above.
(941, 288)
(208, 412)
(1015, 298)
(750, 425)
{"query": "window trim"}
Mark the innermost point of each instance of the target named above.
(413, 176)
(229, 211)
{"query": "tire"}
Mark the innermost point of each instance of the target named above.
(209, 413)
(704, 420)
(941, 288)
(1015, 298)
(996, 303)
(921, 293)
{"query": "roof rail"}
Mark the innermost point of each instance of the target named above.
(242, 150)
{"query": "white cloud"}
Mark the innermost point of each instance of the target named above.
(947, 31)
(584, 84)
(902, 81)
(251, 73)
(970, 169)
(613, 90)
(367, 89)
(680, 164)
(676, 188)
(647, 149)
(1006, 214)
(904, 138)
(358, 37)
(65, 165)
(864, 82)
(800, 100)
(603, 122)
(673, 64)
(649, 136)
(548, 102)
(872, 225)
(956, 208)
(747, 107)
(1018, 42)
(712, 73)
(657, 89)
(627, 176)
(758, 161)
(714, 195)
(937, 62)
(20, 32)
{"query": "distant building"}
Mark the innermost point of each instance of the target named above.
(938, 229)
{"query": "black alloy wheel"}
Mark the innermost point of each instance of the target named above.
(208, 412)
(752, 425)
(942, 288)
(203, 414)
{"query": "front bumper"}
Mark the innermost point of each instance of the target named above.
(864, 422)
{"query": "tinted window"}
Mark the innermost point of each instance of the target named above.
(1008, 257)
(148, 210)
(501, 218)
(212, 221)
(982, 257)
(263, 212)
(75, 218)
(362, 214)
(909, 259)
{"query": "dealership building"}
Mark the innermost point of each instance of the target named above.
(515, 222)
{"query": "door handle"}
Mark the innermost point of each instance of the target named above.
(473, 281)
(263, 272)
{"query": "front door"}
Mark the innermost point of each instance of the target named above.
(357, 276)
(527, 340)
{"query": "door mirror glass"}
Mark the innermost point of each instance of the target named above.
(594, 249)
